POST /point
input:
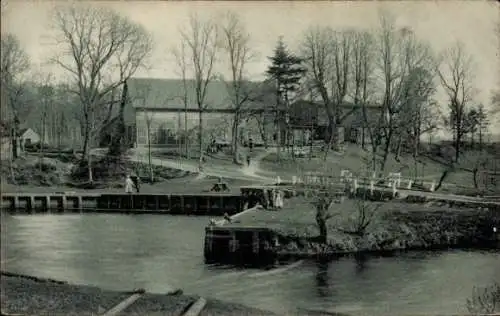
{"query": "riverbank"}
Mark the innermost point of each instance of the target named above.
(393, 226)
(28, 295)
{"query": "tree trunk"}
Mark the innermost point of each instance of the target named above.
(362, 138)
(15, 141)
(200, 135)
(44, 122)
(475, 174)
(119, 143)
(321, 222)
(441, 180)
(398, 149)
(235, 139)
(480, 138)
(387, 147)
(89, 167)
(330, 139)
(150, 162)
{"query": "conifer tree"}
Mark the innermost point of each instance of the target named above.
(286, 71)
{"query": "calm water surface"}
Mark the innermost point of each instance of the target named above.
(164, 252)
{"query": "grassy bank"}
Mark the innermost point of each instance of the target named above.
(396, 226)
(33, 296)
(430, 165)
(63, 172)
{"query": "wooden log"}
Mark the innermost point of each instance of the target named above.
(196, 308)
(120, 307)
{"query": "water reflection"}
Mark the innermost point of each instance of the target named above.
(322, 279)
(361, 262)
(162, 252)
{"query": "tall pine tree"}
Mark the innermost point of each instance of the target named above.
(285, 71)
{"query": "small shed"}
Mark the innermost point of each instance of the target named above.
(27, 137)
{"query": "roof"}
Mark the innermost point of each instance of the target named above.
(168, 94)
(306, 113)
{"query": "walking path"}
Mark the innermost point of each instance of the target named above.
(227, 171)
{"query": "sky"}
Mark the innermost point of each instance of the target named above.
(441, 23)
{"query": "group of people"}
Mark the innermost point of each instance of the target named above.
(131, 183)
(269, 199)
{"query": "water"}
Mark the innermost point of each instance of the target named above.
(161, 253)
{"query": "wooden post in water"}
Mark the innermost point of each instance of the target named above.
(64, 203)
(32, 203)
(15, 203)
(46, 203)
(255, 242)
(80, 203)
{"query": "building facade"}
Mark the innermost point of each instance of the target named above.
(167, 116)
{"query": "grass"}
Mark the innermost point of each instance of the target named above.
(430, 166)
(32, 174)
(395, 225)
(33, 296)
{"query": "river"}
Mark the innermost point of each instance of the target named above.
(160, 253)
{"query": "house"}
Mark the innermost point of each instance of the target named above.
(165, 112)
(26, 137)
(311, 116)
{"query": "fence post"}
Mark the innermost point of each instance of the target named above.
(433, 186)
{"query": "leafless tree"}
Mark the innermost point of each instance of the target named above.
(357, 221)
(455, 73)
(14, 64)
(328, 58)
(201, 38)
(235, 44)
(101, 50)
(143, 93)
(485, 301)
(363, 95)
(180, 55)
(400, 55)
(45, 104)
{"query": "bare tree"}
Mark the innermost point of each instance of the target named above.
(46, 97)
(182, 62)
(485, 300)
(357, 221)
(455, 73)
(328, 59)
(237, 49)
(400, 56)
(201, 38)
(14, 64)
(148, 117)
(101, 51)
(363, 71)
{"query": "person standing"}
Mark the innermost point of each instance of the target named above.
(135, 180)
(129, 184)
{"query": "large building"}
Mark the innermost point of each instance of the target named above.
(166, 111)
